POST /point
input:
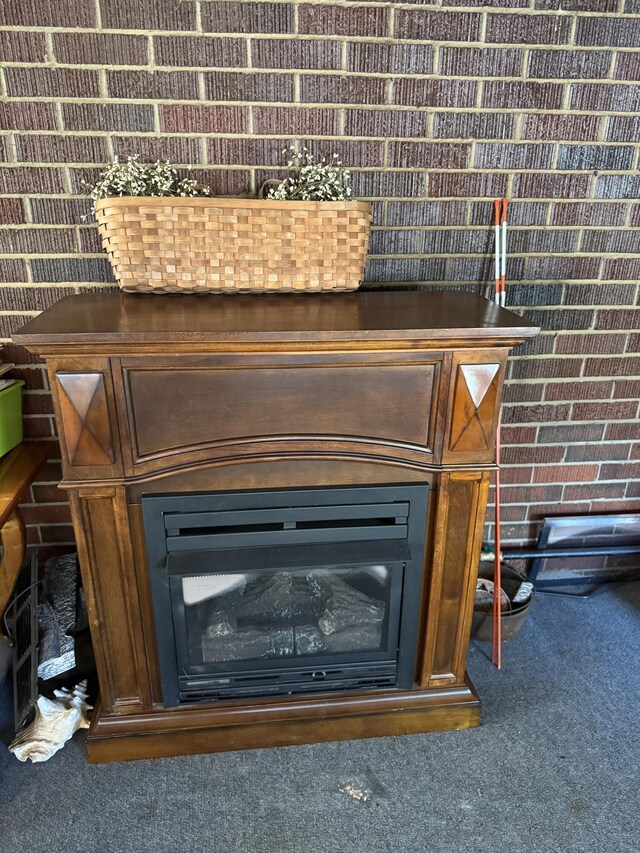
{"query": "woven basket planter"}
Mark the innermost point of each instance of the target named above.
(230, 245)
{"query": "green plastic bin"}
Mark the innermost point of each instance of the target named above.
(10, 417)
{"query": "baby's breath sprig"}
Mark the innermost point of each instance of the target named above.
(312, 180)
(143, 179)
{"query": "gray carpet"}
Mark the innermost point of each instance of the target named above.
(554, 767)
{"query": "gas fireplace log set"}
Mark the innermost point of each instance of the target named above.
(278, 504)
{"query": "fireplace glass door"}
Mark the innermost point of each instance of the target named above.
(246, 618)
(312, 598)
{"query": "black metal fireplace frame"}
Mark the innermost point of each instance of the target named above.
(383, 524)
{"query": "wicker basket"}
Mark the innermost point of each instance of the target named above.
(231, 245)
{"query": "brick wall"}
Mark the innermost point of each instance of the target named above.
(439, 107)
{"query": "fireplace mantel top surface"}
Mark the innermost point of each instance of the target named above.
(118, 319)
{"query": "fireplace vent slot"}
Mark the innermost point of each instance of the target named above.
(285, 526)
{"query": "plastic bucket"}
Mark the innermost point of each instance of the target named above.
(511, 620)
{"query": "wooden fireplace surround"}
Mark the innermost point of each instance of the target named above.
(158, 394)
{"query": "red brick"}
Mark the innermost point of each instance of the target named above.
(48, 494)
(608, 32)
(534, 414)
(607, 97)
(100, 49)
(37, 404)
(51, 82)
(589, 344)
(523, 393)
(479, 269)
(618, 186)
(515, 475)
(176, 149)
(429, 155)
(509, 4)
(35, 179)
(61, 149)
(11, 211)
(37, 427)
(494, 155)
(178, 118)
(618, 319)
(627, 66)
(423, 25)
(22, 46)
(57, 533)
(597, 452)
(295, 121)
(175, 85)
(233, 86)
(591, 294)
(333, 89)
(627, 388)
(545, 368)
(563, 268)
(116, 117)
(209, 52)
(615, 506)
(568, 433)
(376, 184)
(434, 93)
(239, 17)
(621, 471)
(578, 5)
(517, 435)
(622, 432)
(588, 213)
(147, 15)
(465, 185)
(530, 494)
(33, 377)
(31, 298)
(566, 474)
(610, 411)
(39, 240)
(579, 390)
(622, 128)
(570, 127)
(541, 185)
(477, 125)
(532, 455)
(528, 29)
(519, 95)
(537, 512)
(289, 53)
(343, 20)
(633, 344)
(595, 157)
(33, 13)
(567, 64)
(485, 61)
(390, 58)
(622, 269)
(593, 491)
(426, 212)
(28, 115)
(517, 512)
(385, 123)
(629, 366)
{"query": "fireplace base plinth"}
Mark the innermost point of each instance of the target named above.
(280, 722)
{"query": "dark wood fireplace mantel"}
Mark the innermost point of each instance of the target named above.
(162, 394)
